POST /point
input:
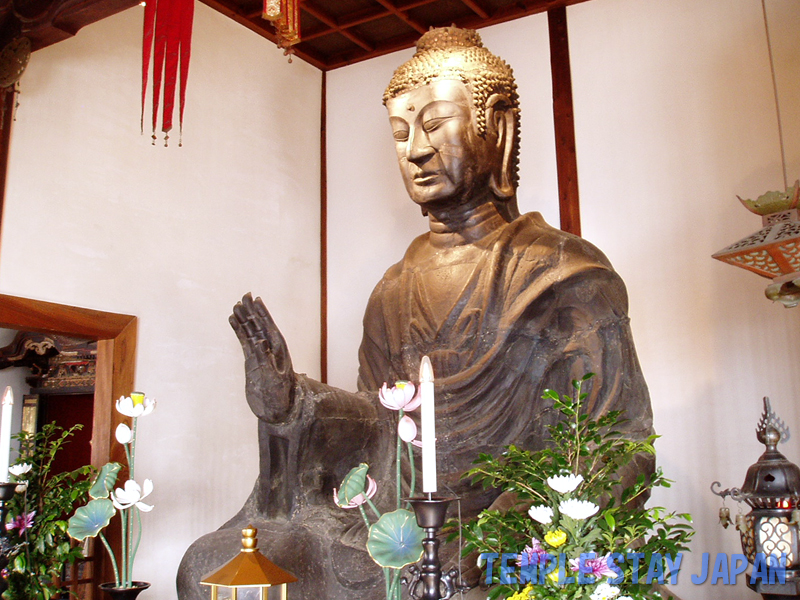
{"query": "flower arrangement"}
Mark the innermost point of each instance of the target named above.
(394, 539)
(566, 542)
(36, 529)
(91, 519)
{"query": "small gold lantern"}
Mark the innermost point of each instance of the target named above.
(248, 569)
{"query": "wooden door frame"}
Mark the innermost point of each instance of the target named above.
(116, 362)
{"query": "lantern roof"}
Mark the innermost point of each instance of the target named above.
(249, 568)
(772, 251)
(773, 481)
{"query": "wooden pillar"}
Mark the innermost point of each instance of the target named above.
(8, 99)
(323, 242)
(563, 115)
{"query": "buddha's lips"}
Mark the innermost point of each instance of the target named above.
(425, 177)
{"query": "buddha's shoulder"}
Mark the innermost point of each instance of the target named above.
(409, 260)
(532, 237)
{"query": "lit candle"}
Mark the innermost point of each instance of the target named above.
(428, 423)
(5, 432)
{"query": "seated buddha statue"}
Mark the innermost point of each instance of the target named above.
(504, 305)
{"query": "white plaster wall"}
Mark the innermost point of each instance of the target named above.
(97, 217)
(674, 117)
(370, 217)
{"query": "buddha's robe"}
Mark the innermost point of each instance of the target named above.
(525, 308)
(521, 308)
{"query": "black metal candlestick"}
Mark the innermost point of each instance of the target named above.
(430, 513)
(7, 491)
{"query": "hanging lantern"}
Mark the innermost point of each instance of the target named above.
(285, 17)
(774, 250)
(769, 532)
(249, 572)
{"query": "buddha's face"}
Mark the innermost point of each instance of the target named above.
(443, 160)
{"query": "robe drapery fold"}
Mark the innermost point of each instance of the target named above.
(539, 308)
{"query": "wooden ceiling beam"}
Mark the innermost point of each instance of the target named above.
(320, 15)
(402, 16)
(473, 6)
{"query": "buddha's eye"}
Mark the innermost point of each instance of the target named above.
(400, 135)
(434, 123)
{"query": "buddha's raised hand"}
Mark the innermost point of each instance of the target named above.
(268, 366)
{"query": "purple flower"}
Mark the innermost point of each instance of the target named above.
(532, 554)
(599, 567)
(21, 522)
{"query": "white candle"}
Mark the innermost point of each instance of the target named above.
(5, 432)
(428, 423)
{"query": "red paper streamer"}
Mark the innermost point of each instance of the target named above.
(168, 36)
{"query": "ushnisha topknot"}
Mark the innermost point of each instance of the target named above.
(453, 53)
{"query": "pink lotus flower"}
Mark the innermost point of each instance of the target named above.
(357, 501)
(599, 567)
(21, 522)
(400, 397)
(407, 430)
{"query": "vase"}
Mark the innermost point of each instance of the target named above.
(130, 593)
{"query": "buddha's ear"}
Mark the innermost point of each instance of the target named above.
(500, 127)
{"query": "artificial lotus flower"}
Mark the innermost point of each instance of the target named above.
(400, 397)
(543, 514)
(123, 434)
(564, 484)
(132, 495)
(20, 469)
(22, 522)
(604, 591)
(555, 538)
(599, 567)
(578, 509)
(361, 498)
(407, 430)
(135, 405)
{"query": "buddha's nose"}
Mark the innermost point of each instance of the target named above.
(418, 148)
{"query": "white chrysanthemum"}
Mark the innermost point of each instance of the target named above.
(624, 598)
(604, 591)
(543, 514)
(564, 484)
(578, 509)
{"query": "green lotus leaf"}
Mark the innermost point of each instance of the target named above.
(105, 481)
(395, 540)
(353, 484)
(89, 520)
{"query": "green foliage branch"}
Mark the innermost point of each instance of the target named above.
(596, 450)
(41, 551)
